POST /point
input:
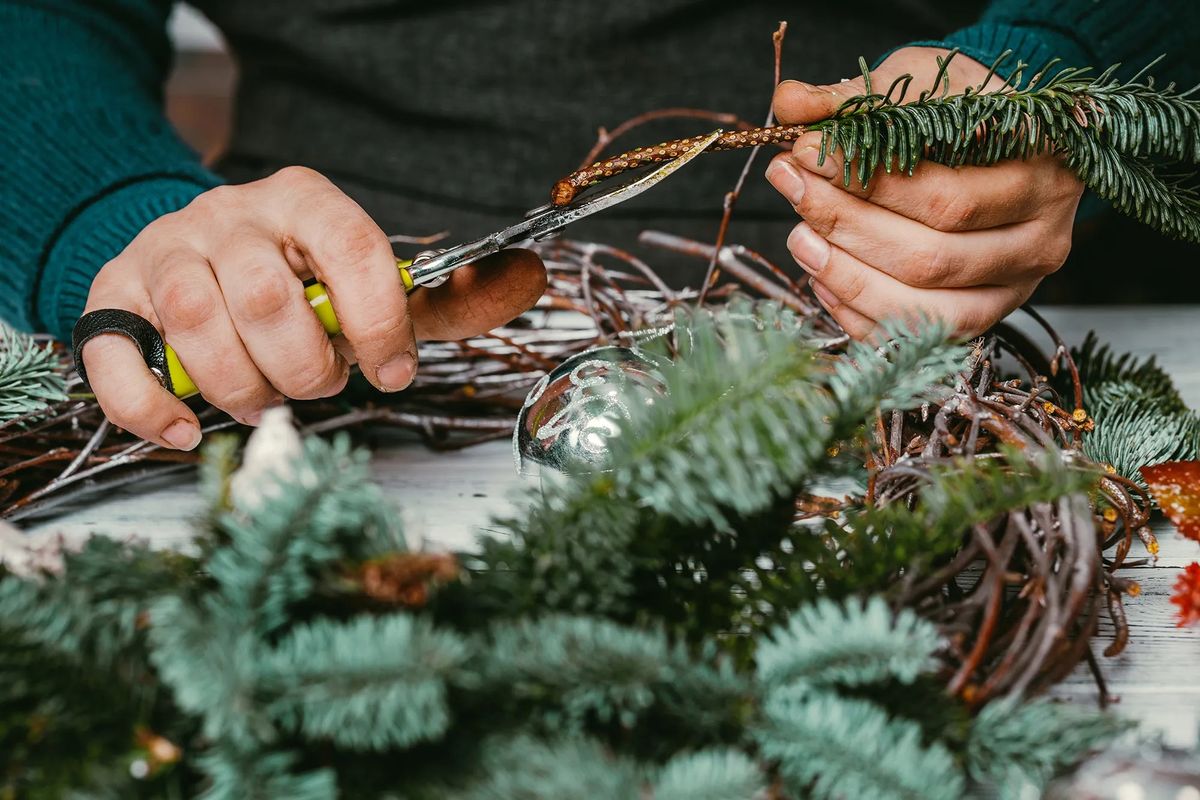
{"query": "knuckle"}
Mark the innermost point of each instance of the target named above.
(385, 332)
(213, 200)
(136, 414)
(928, 268)
(295, 176)
(852, 288)
(1057, 252)
(187, 305)
(320, 377)
(1052, 254)
(244, 398)
(261, 296)
(359, 241)
(953, 212)
(824, 218)
(110, 281)
(969, 322)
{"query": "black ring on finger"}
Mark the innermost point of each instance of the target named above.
(137, 329)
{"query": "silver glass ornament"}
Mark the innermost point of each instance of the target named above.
(570, 417)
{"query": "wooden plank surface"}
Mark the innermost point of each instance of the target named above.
(449, 499)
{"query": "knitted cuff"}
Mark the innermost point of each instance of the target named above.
(98, 233)
(88, 156)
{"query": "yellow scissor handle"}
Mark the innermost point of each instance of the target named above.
(318, 298)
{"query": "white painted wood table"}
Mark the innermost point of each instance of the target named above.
(449, 499)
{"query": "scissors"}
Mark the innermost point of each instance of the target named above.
(429, 268)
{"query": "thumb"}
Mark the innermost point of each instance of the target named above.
(799, 102)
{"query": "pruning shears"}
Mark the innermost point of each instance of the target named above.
(429, 268)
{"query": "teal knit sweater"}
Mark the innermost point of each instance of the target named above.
(87, 158)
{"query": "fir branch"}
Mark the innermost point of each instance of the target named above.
(570, 553)
(580, 673)
(31, 378)
(831, 747)
(74, 678)
(748, 421)
(1126, 140)
(257, 775)
(95, 613)
(651, 539)
(324, 510)
(372, 683)
(1141, 419)
(1134, 430)
(850, 644)
(735, 431)
(524, 768)
(1019, 747)
(1098, 365)
(709, 775)
(63, 723)
(209, 659)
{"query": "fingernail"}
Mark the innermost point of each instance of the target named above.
(826, 297)
(398, 373)
(808, 248)
(252, 419)
(784, 176)
(808, 156)
(182, 435)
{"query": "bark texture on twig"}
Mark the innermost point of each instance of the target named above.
(566, 189)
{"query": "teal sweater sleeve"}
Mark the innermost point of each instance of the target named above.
(89, 158)
(1088, 33)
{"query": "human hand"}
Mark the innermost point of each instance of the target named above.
(221, 280)
(962, 244)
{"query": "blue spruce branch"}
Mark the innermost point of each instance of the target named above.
(826, 643)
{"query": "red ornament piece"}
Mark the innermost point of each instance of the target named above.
(1176, 487)
(1187, 595)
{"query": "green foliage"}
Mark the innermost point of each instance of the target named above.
(237, 775)
(753, 416)
(97, 617)
(1131, 142)
(74, 680)
(208, 656)
(371, 683)
(1132, 431)
(570, 553)
(709, 775)
(303, 520)
(30, 376)
(828, 644)
(1141, 419)
(1013, 746)
(868, 549)
(831, 747)
(580, 673)
(1099, 366)
(768, 408)
(530, 769)
(607, 645)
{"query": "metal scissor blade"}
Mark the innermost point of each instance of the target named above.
(555, 219)
(543, 223)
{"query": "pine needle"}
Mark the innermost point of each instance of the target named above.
(1135, 144)
(852, 644)
(834, 747)
(753, 411)
(31, 379)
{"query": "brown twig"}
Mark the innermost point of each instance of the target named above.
(566, 189)
(731, 197)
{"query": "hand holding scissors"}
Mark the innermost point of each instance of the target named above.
(227, 317)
